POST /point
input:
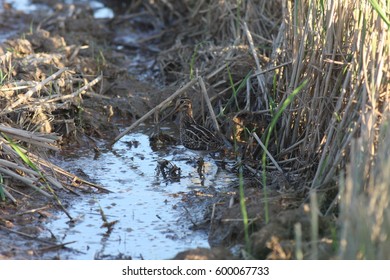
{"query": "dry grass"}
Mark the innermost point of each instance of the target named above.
(310, 78)
(254, 54)
(364, 206)
(38, 97)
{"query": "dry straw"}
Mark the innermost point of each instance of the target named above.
(341, 48)
(22, 151)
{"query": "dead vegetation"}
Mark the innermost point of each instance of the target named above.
(43, 82)
(300, 89)
(299, 86)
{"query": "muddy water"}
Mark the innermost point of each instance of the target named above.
(149, 209)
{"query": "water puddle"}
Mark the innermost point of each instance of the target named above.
(26, 6)
(149, 210)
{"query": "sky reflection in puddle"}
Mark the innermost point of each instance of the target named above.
(150, 225)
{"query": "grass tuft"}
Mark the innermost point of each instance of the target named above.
(331, 138)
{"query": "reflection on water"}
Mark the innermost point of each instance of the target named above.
(151, 224)
(28, 6)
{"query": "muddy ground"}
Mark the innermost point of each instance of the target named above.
(125, 94)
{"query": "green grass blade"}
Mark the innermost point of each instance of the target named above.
(193, 60)
(289, 99)
(2, 194)
(25, 158)
(234, 89)
(244, 213)
(22, 155)
(380, 11)
(287, 102)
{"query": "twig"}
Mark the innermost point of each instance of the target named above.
(32, 211)
(271, 69)
(151, 112)
(254, 134)
(212, 114)
(209, 106)
(28, 181)
(9, 195)
(215, 72)
(13, 165)
(54, 181)
(19, 192)
(79, 91)
(50, 138)
(30, 92)
(61, 171)
(37, 139)
(190, 218)
(248, 93)
(56, 246)
(17, 86)
(27, 235)
(260, 78)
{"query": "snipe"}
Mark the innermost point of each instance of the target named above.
(192, 135)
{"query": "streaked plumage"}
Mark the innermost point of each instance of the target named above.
(192, 135)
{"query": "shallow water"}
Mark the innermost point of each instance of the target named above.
(26, 6)
(99, 10)
(149, 210)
